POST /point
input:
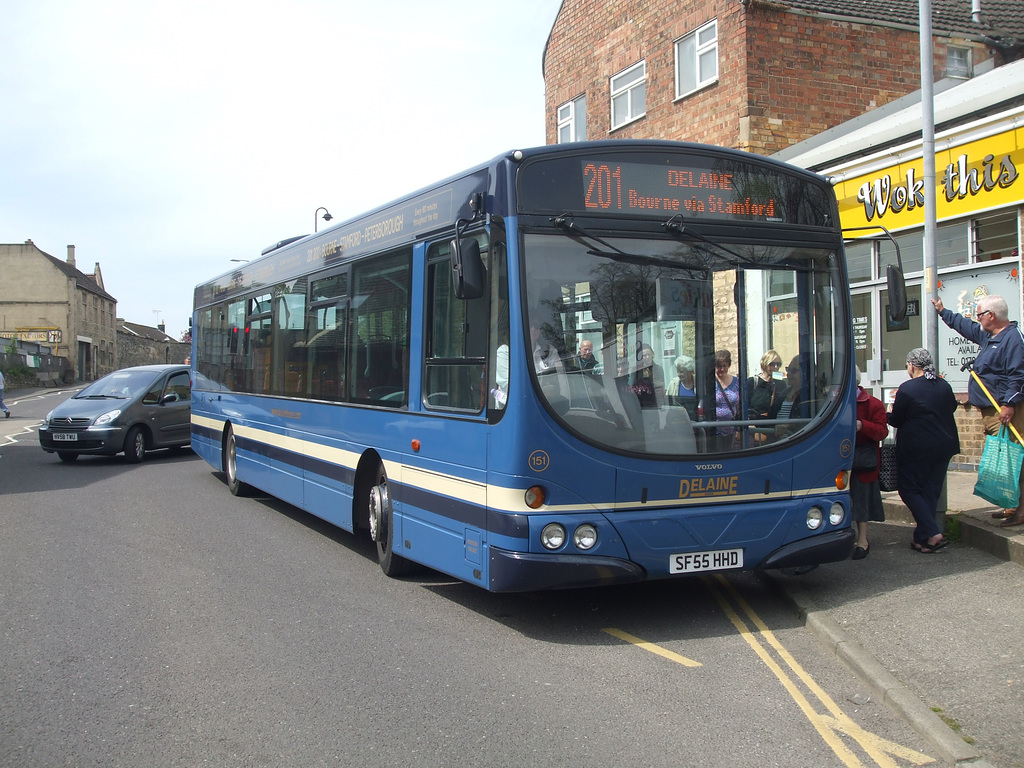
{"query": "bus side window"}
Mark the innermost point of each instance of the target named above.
(381, 307)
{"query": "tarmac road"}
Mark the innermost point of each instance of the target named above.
(934, 637)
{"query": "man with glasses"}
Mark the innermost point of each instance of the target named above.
(1000, 366)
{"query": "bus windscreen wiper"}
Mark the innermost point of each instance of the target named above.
(677, 226)
(577, 233)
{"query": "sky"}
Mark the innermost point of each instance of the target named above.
(164, 140)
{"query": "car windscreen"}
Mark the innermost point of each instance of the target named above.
(119, 385)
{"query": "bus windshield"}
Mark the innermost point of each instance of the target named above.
(698, 346)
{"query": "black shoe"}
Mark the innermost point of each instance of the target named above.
(859, 553)
(8, 415)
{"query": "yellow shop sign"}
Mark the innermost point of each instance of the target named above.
(974, 176)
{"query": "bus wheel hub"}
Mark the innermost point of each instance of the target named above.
(378, 518)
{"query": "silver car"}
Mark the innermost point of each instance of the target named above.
(132, 410)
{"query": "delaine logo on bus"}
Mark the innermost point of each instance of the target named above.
(703, 487)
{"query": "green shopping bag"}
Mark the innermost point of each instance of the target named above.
(999, 471)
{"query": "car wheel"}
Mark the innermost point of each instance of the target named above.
(236, 486)
(135, 445)
(382, 527)
(66, 456)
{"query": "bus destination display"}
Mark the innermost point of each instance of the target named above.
(636, 188)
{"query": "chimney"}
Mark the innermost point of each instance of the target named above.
(161, 327)
(71, 255)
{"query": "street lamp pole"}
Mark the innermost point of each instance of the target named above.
(327, 216)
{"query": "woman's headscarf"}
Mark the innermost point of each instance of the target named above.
(922, 358)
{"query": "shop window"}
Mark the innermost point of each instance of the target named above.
(697, 60)
(995, 236)
(572, 120)
(858, 260)
(951, 245)
(911, 247)
(629, 95)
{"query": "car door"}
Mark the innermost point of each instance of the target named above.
(172, 419)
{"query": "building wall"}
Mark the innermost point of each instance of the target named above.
(136, 350)
(35, 294)
(783, 76)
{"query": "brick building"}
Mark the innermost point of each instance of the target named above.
(749, 74)
(834, 87)
(46, 300)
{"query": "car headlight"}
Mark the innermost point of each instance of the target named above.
(46, 420)
(107, 417)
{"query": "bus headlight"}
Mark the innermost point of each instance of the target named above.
(585, 537)
(815, 517)
(836, 514)
(553, 536)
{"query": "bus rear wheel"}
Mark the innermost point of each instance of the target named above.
(382, 527)
(236, 486)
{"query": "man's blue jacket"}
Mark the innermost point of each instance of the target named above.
(999, 364)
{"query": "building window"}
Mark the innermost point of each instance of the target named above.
(629, 95)
(572, 120)
(958, 62)
(995, 236)
(697, 60)
(859, 258)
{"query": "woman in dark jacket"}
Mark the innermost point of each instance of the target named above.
(927, 439)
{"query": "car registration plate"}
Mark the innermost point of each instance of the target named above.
(695, 562)
(65, 437)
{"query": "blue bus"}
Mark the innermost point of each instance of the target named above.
(415, 374)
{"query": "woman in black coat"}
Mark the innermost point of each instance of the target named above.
(927, 439)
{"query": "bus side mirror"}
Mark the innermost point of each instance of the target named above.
(897, 287)
(467, 269)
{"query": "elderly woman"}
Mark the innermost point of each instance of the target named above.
(927, 439)
(865, 493)
(682, 389)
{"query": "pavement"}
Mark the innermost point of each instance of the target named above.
(939, 638)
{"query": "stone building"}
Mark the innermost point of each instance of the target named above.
(144, 345)
(52, 302)
(757, 75)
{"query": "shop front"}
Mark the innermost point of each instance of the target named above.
(979, 193)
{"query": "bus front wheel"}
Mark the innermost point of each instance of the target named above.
(382, 527)
(236, 486)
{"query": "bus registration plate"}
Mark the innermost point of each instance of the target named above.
(65, 437)
(693, 562)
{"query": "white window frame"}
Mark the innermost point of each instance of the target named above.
(571, 118)
(690, 50)
(629, 85)
(953, 52)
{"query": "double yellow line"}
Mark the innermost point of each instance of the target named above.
(832, 724)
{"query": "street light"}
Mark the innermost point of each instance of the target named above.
(326, 217)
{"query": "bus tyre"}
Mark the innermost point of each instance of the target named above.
(135, 445)
(236, 486)
(382, 528)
